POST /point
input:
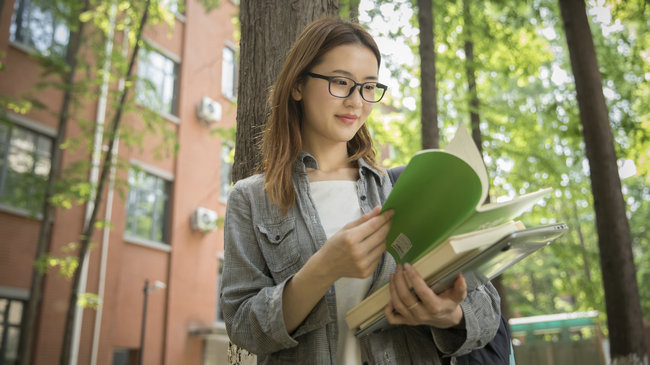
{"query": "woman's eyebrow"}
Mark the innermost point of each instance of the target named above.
(348, 74)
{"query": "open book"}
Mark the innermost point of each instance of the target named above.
(440, 221)
(477, 266)
(440, 194)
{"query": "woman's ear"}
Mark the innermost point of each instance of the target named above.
(296, 92)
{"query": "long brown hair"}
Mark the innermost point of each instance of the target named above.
(281, 141)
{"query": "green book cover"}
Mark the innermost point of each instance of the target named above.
(439, 195)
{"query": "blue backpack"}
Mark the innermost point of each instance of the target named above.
(499, 350)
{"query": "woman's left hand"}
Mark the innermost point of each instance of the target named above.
(424, 307)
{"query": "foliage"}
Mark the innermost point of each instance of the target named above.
(637, 194)
(89, 300)
(531, 131)
(348, 9)
(66, 264)
(73, 187)
(81, 77)
(226, 134)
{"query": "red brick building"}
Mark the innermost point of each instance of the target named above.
(193, 70)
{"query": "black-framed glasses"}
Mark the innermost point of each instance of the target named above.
(343, 87)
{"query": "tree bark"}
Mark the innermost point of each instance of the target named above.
(354, 10)
(475, 123)
(470, 71)
(28, 331)
(533, 286)
(622, 301)
(268, 29)
(429, 97)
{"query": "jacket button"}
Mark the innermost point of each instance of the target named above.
(362, 197)
(277, 238)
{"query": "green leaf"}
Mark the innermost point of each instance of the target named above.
(86, 16)
(89, 300)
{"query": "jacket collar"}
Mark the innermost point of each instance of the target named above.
(306, 160)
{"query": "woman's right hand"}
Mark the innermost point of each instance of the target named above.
(355, 250)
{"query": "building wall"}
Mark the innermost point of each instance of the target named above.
(189, 266)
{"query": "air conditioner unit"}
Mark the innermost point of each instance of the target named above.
(209, 111)
(204, 220)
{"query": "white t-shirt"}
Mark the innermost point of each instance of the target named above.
(337, 203)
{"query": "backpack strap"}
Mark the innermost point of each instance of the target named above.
(394, 173)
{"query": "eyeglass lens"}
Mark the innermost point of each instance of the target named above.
(341, 87)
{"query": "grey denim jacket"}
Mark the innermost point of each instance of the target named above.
(264, 249)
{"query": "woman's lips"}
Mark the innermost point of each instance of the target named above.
(347, 118)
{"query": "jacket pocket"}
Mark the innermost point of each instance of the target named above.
(279, 243)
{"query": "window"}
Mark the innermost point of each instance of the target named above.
(226, 169)
(157, 86)
(125, 356)
(24, 166)
(39, 27)
(11, 313)
(174, 6)
(229, 74)
(147, 206)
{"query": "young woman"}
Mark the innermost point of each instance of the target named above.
(304, 239)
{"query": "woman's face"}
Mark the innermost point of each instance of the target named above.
(328, 120)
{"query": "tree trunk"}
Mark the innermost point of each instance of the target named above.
(585, 254)
(470, 71)
(475, 123)
(622, 300)
(349, 9)
(533, 286)
(262, 55)
(429, 97)
(28, 331)
(89, 229)
(354, 10)
(268, 29)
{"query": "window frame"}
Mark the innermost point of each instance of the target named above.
(225, 169)
(235, 73)
(37, 132)
(27, 43)
(131, 355)
(167, 179)
(140, 90)
(11, 295)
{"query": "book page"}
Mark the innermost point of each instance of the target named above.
(436, 192)
(477, 239)
(477, 266)
(463, 146)
(447, 254)
(496, 213)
